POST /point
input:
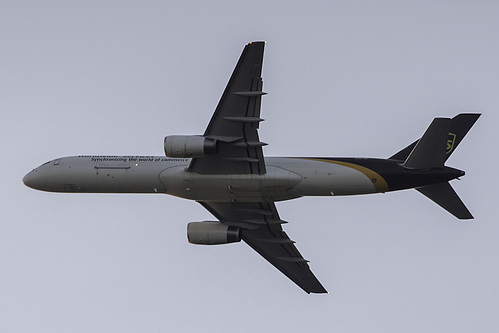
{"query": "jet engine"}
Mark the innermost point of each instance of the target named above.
(187, 146)
(212, 233)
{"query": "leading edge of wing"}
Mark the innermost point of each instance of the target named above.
(244, 84)
(261, 229)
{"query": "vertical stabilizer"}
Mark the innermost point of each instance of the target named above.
(430, 151)
(459, 127)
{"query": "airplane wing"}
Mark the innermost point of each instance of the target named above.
(235, 126)
(235, 121)
(261, 229)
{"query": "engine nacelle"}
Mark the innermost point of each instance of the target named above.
(212, 233)
(187, 146)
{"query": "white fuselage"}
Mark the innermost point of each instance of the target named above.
(286, 178)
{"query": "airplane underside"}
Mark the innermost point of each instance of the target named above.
(226, 171)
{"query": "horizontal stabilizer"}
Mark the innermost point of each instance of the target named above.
(429, 152)
(444, 195)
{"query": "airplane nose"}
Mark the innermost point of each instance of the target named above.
(32, 180)
(27, 179)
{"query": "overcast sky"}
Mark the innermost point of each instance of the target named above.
(345, 78)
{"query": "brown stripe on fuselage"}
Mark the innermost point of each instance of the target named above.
(378, 181)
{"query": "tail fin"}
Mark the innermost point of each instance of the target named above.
(459, 127)
(431, 151)
(444, 195)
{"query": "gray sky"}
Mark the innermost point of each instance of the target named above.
(345, 78)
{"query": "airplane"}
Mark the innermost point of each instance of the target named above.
(226, 172)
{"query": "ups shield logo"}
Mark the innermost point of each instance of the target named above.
(450, 143)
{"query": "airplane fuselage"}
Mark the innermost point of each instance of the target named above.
(286, 177)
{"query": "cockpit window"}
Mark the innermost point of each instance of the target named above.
(46, 163)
